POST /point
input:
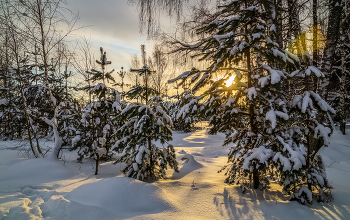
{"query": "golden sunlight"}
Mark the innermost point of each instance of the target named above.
(303, 42)
(230, 81)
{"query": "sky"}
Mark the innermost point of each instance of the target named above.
(114, 25)
(111, 24)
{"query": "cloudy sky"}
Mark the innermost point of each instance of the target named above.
(113, 25)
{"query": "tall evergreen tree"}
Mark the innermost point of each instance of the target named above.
(254, 111)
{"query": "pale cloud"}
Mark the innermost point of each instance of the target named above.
(111, 24)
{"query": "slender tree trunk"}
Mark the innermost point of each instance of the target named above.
(40, 21)
(37, 141)
(35, 150)
(315, 26)
(19, 131)
(177, 92)
(6, 80)
(308, 159)
(30, 136)
(331, 42)
(295, 28)
(149, 138)
(146, 85)
(314, 42)
(96, 164)
(43, 43)
(332, 34)
(58, 140)
(342, 83)
(256, 180)
(290, 21)
(278, 22)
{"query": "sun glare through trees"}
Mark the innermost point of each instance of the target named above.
(230, 81)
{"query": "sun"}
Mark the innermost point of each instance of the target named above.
(230, 81)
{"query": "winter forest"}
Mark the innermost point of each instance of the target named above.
(223, 110)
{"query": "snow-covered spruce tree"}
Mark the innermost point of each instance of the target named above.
(253, 112)
(241, 33)
(8, 100)
(43, 95)
(43, 109)
(22, 106)
(143, 125)
(69, 116)
(184, 111)
(93, 137)
(16, 78)
(68, 122)
(310, 130)
(12, 119)
(172, 110)
(188, 115)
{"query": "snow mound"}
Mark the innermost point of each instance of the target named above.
(36, 171)
(190, 162)
(59, 208)
(182, 152)
(121, 196)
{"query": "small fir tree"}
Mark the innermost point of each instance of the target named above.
(94, 138)
(184, 112)
(143, 125)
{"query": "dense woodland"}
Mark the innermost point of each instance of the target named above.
(287, 60)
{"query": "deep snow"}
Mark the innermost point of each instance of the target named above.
(65, 189)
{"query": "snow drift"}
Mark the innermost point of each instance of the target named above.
(121, 196)
(36, 171)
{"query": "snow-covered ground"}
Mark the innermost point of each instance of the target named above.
(44, 189)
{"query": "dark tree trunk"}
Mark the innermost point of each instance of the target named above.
(295, 28)
(278, 23)
(252, 118)
(256, 180)
(343, 76)
(97, 160)
(315, 30)
(331, 42)
(332, 35)
(308, 165)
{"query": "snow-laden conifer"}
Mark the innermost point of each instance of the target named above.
(143, 125)
(255, 112)
(93, 137)
(184, 112)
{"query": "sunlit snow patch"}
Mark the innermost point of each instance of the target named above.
(198, 137)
